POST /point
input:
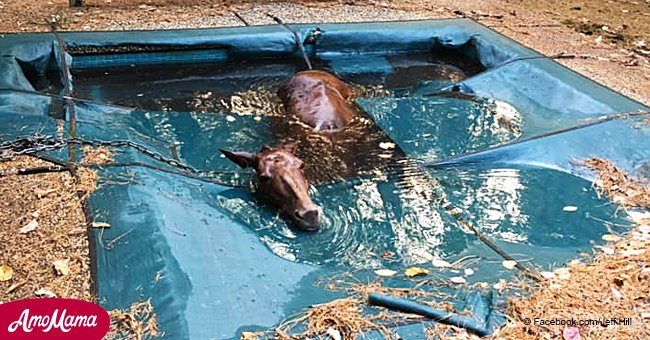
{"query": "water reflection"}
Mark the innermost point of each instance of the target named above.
(375, 199)
(399, 212)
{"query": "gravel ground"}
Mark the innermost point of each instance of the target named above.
(614, 65)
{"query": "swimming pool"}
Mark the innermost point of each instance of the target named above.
(451, 109)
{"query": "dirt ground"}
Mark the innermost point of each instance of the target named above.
(43, 239)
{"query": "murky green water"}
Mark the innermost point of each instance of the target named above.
(375, 199)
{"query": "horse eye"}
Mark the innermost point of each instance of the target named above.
(265, 178)
(302, 165)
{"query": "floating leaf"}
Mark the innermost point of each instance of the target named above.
(509, 264)
(610, 237)
(547, 275)
(458, 280)
(415, 271)
(570, 208)
(61, 266)
(6, 273)
(469, 272)
(29, 227)
(45, 292)
(385, 272)
(440, 263)
(100, 225)
(482, 285)
(230, 118)
(387, 145)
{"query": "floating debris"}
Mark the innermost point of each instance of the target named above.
(440, 263)
(100, 225)
(416, 271)
(385, 272)
(458, 280)
(508, 264)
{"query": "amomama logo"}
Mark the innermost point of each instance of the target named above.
(52, 319)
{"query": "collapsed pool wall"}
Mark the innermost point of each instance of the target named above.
(129, 266)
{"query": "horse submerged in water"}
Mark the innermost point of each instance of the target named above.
(321, 101)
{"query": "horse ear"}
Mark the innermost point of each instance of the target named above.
(243, 159)
(291, 146)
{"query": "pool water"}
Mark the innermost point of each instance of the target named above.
(374, 197)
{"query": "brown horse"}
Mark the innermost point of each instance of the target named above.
(282, 182)
(320, 100)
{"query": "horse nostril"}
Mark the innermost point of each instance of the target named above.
(309, 215)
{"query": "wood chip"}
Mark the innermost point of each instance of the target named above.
(45, 292)
(15, 286)
(42, 193)
(61, 266)
(31, 226)
(387, 145)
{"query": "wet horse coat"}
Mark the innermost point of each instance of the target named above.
(319, 99)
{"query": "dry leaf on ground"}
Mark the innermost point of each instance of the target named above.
(6, 273)
(62, 266)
